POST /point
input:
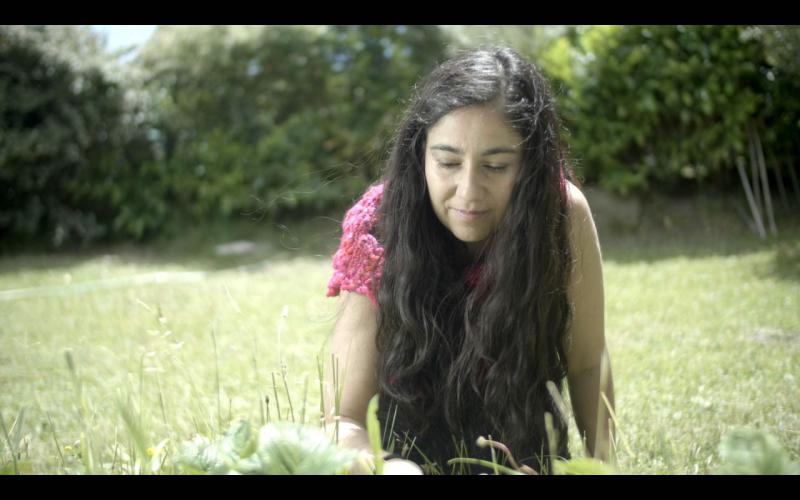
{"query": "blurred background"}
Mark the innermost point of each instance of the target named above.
(129, 133)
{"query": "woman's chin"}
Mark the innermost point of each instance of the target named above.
(469, 238)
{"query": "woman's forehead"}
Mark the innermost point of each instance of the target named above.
(479, 127)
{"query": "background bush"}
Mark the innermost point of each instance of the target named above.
(279, 119)
(221, 122)
(667, 107)
(68, 147)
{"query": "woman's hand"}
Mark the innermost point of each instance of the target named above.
(401, 467)
(365, 465)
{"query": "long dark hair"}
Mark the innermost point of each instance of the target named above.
(462, 360)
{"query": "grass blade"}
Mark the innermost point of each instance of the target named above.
(277, 401)
(288, 396)
(216, 379)
(617, 431)
(87, 453)
(305, 397)
(55, 440)
(161, 401)
(135, 433)
(374, 433)
(16, 428)
(320, 375)
(10, 446)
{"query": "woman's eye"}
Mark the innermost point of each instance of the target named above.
(493, 168)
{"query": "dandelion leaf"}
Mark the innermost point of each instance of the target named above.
(277, 448)
(295, 449)
(222, 455)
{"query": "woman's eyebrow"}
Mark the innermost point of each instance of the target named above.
(449, 149)
(488, 152)
(497, 151)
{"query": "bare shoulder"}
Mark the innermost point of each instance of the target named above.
(580, 214)
(585, 338)
(576, 200)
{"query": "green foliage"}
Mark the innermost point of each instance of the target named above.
(265, 120)
(669, 106)
(64, 140)
(209, 122)
(529, 40)
(754, 451)
(223, 122)
(278, 448)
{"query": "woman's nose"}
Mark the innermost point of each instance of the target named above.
(470, 182)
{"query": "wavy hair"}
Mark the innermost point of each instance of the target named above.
(459, 360)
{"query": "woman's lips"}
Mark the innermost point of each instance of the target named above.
(469, 215)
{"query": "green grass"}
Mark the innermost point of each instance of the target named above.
(702, 322)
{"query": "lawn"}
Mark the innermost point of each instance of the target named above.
(702, 323)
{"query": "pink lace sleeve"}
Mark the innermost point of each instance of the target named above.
(358, 263)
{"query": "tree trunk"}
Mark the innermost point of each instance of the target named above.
(751, 147)
(750, 199)
(765, 184)
(747, 219)
(779, 178)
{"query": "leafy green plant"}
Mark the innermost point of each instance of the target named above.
(276, 448)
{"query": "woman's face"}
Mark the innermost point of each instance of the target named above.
(472, 159)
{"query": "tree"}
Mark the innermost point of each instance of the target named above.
(62, 134)
(265, 119)
(670, 106)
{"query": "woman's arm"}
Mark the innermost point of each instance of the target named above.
(354, 351)
(588, 361)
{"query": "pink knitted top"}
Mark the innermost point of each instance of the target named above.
(358, 263)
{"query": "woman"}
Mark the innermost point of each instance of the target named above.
(471, 277)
